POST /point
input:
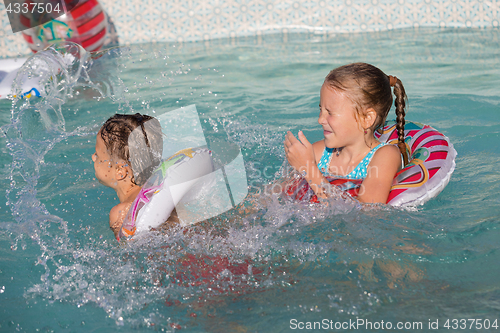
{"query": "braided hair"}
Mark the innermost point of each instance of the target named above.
(400, 103)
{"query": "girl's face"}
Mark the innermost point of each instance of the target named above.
(337, 116)
(103, 163)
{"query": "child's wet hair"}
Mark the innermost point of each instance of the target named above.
(368, 87)
(115, 133)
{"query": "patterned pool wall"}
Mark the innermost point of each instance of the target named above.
(139, 21)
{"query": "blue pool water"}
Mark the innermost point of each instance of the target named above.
(62, 271)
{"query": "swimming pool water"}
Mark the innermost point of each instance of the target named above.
(62, 271)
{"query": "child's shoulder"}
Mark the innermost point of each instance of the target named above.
(117, 215)
(387, 155)
(318, 148)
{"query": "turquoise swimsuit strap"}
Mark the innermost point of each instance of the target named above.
(324, 162)
(359, 172)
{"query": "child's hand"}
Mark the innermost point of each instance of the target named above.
(300, 154)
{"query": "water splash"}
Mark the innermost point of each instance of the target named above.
(62, 71)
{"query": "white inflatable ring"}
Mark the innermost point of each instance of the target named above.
(158, 197)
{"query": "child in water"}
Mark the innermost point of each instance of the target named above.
(354, 102)
(128, 149)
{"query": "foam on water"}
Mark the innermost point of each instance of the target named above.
(253, 268)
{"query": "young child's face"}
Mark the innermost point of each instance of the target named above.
(337, 117)
(103, 163)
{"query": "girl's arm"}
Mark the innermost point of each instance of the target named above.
(381, 171)
(117, 216)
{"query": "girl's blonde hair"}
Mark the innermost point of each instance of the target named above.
(368, 87)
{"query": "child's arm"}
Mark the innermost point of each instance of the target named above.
(381, 171)
(117, 216)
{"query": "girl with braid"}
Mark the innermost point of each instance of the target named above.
(128, 149)
(354, 102)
